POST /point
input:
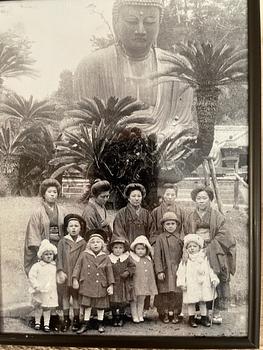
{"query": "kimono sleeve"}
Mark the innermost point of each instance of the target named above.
(151, 226)
(181, 275)
(89, 215)
(109, 272)
(60, 262)
(119, 226)
(33, 234)
(158, 256)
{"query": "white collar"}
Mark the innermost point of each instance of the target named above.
(137, 258)
(122, 257)
(92, 253)
(79, 238)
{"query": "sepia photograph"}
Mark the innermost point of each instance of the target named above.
(128, 179)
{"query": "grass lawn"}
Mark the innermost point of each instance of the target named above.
(15, 213)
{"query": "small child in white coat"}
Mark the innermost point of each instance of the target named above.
(42, 277)
(197, 279)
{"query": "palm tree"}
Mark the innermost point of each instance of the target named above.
(27, 112)
(207, 69)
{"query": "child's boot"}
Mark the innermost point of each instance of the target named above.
(205, 321)
(192, 322)
(75, 324)
(101, 328)
(66, 324)
(84, 327)
(166, 317)
(120, 321)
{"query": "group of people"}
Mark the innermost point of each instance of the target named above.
(166, 258)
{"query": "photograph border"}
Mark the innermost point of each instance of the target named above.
(252, 340)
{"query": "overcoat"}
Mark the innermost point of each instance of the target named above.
(123, 287)
(43, 284)
(196, 276)
(68, 254)
(167, 256)
(128, 224)
(157, 215)
(94, 273)
(94, 220)
(38, 229)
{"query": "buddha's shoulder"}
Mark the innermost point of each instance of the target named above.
(98, 58)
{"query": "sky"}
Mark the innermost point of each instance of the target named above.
(60, 31)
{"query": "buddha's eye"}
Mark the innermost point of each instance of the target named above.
(150, 20)
(131, 20)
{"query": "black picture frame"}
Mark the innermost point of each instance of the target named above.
(252, 340)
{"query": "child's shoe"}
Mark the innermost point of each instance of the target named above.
(101, 328)
(46, 329)
(165, 318)
(175, 319)
(192, 322)
(75, 324)
(115, 321)
(37, 326)
(66, 324)
(121, 322)
(84, 327)
(205, 321)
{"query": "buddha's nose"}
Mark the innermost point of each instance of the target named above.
(140, 28)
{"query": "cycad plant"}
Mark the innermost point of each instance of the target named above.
(207, 69)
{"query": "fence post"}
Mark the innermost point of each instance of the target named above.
(236, 188)
(215, 184)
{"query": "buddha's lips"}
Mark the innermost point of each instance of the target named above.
(140, 39)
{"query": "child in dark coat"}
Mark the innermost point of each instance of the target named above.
(123, 270)
(167, 255)
(69, 249)
(93, 277)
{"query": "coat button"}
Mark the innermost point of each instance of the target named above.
(145, 263)
(88, 265)
(145, 270)
(97, 281)
(97, 274)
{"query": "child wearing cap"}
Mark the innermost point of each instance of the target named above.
(167, 256)
(197, 279)
(69, 249)
(43, 284)
(144, 278)
(123, 271)
(93, 277)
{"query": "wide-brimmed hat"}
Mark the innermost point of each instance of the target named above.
(46, 246)
(141, 240)
(71, 217)
(119, 240)
(169, 216)
(201, 188)
(193, 238)
(133, 187)
(97, 233)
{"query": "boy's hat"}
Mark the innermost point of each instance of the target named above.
(119, 240)
(77, 217)
(44, 246)
(193, 238)
(142, 240)
(99, 233)
(169, 216)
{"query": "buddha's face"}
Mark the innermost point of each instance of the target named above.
(138, 28)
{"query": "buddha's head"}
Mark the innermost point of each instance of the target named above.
(136, 25)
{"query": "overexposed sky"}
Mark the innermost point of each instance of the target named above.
(60, 31)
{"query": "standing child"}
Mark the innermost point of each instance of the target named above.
(144, 279)
(123, 270)
(42, 278)
(69, 249)
(167, 256)
(93, 276)
(196, 278)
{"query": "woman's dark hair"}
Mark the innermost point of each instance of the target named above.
(100, 186)
(49, 183)
(169, 186)
(133, 187)
(201, 188)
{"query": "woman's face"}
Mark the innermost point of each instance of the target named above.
(169, 196)
(140, 250)
(202, 200)
(102, 198)
(51, 195)
(135, 198)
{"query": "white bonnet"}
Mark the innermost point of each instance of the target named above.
(141, 240)
(193, 238)
(44, 246)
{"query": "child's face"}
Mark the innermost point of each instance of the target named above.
(193, 248)
(74, 228)
(48, 256)
(140, 250)
(169, 196)
(118, 249)
(96, 244)
(51, 195)
(170, 226)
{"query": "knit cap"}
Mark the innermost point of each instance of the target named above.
(46, 246)
(193, 238)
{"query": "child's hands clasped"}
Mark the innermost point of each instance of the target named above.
(75, 283)
(61, 277)
(161, 276)
(110, 290)
(125, 275)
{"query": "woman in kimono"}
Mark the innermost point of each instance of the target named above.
(168, 204)
(220, 244)
(133, 220)
(95, 213)
(46, 222)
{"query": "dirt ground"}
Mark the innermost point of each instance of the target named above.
(234, 324)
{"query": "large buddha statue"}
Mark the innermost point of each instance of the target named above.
(126, 69)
